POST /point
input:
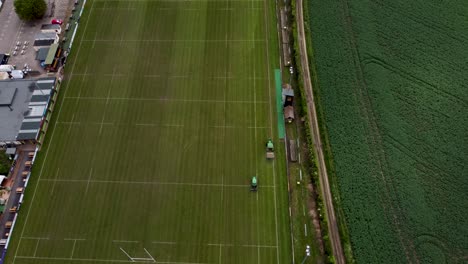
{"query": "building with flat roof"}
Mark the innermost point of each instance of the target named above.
(23, 107)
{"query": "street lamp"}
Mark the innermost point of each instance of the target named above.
(307, 254)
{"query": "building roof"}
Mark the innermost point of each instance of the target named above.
(51, 54)
(41, 54)
(10, 151)
(288, 92)
(289, 112)
(43, 42)
(23, 119)
(50, 26)
(45, 35)
(6, 96)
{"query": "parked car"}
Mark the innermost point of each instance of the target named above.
(56, 21)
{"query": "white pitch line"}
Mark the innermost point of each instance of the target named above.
(53, 185)
(81, 86)
(152, 76)
(89, 180)
(173, 40)
(164, 242)
(73, 249)
(156, 183)
(159, 125)
(71, 123)
(102, 122)
(107, 99)
(127, 255)
(37, 245)
(192, 77)
(35, 238)
(125, 241)
(166, 100)
(260, 246)
(152, 258)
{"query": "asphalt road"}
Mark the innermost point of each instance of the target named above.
(333, 230)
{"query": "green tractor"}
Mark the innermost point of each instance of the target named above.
(253, 184)
(270, 154)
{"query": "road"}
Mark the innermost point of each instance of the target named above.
(333, 230)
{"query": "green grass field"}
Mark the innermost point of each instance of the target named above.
(392, 85)
(161, 124)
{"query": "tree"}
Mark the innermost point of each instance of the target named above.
(5, 163)
(30, 9)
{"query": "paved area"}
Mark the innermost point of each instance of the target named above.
(13, 30)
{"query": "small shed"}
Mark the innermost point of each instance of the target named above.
(51, 28)
(288, 95)
(41, 54)
(46, 35)
(51, 54)
(289, 114)
(10, 151)
(41, 43)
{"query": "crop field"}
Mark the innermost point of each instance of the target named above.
(392, 81)
(161, 123)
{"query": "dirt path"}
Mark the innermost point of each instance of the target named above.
(313, 123)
